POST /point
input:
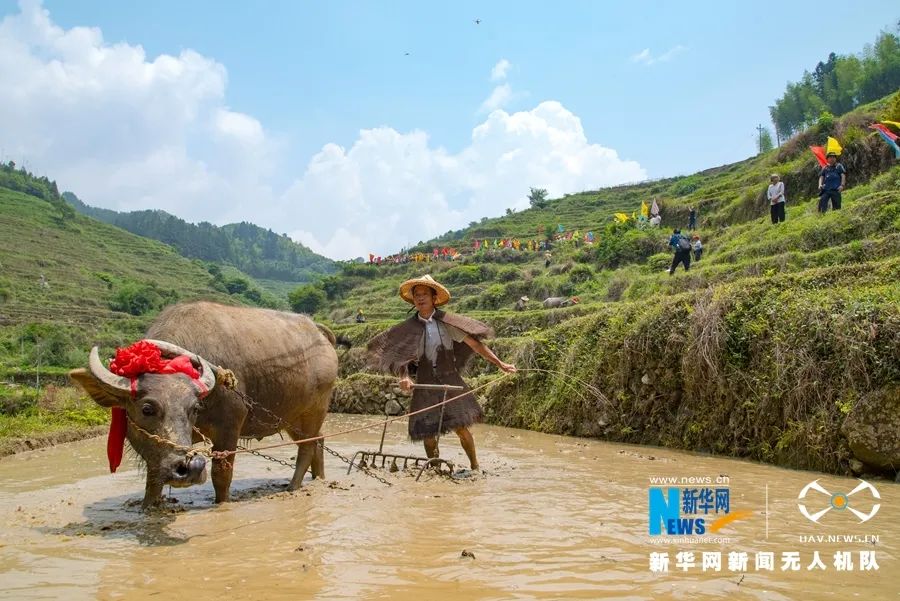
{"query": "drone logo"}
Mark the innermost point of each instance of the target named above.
(839, 501)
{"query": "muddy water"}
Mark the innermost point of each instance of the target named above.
(552, 518)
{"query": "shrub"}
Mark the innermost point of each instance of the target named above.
(52, 344)
(581, 273)
(622, 243)
(659, 261)
(306, 299)
(686, 185)
(237, 286)
(825, 124)
(852, 134)
(469, 274)
(362, 270)
(887, 181)
(335, 286)
(492, 297)
(616, 288)
(138, 298)
(892, 110)
(508, 274)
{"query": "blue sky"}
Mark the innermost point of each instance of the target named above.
(672, 87)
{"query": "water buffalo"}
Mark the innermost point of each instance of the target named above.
(555, 302)
(284, 362)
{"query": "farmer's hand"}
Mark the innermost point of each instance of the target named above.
(840, 188)
(508, 368)
(406, 384)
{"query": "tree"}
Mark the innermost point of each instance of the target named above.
(764, 141)
(537, 198)
(306, 299)
(839, 84)
(510, 212)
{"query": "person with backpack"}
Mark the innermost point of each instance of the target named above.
(682, 246)
(775, 194)
(832, 180)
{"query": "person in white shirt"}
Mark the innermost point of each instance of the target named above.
(775, 194)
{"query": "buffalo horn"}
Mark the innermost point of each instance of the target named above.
(207, 370)
(117, 385)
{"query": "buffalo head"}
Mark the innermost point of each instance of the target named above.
(161, 414)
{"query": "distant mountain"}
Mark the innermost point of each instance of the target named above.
(256, 251)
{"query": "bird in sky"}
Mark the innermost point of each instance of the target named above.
(477, 21)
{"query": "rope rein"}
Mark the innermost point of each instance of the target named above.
(224, 455)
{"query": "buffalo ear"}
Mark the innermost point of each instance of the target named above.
(101, 394)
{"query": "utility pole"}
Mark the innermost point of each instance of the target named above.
(759, 131)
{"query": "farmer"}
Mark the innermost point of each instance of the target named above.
(775, 194)
(832, 180)
(435, 346)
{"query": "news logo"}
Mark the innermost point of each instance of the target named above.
(690, 511)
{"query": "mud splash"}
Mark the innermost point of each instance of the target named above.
(552, 518)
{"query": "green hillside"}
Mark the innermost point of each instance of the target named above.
(256, 251)
(100, 284)
(782, 344)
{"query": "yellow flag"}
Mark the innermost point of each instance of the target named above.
(621, 217)
(833, 147)
(645, 210)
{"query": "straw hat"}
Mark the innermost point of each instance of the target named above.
(406, 290)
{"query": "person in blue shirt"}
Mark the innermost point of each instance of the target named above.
(832, 180)
(682, 246)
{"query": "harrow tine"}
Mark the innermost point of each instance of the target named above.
(355, 455)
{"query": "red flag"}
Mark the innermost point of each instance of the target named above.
(819, 152)
(883, 129)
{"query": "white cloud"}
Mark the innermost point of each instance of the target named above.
(646, 57)
(122, 130)
(498, 73)
(499, 97)
(642, 56)
(127, 131)
(390, 189)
